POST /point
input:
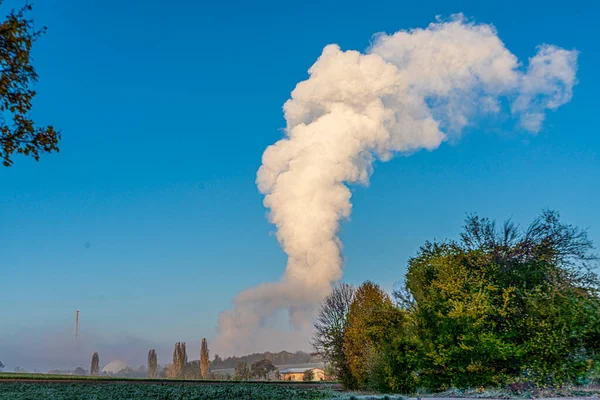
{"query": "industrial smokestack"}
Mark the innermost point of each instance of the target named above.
(76, 323)
(411, 90)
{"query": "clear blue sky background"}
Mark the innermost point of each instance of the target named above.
(149, 220)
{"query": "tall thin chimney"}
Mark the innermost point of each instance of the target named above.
(76, 323)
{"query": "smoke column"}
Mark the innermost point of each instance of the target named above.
(411, 90)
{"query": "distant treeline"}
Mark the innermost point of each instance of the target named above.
(281, 358)
(127, 372)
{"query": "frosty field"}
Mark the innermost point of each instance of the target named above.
(145, 390)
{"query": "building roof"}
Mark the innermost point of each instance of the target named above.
(296, 370)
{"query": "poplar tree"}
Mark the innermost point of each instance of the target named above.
(95, 367)
(179, 360)
(152, 364)
(183, 359)
(174, 371)
(204, 359)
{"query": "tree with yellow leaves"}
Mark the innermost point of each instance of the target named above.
(204, 360)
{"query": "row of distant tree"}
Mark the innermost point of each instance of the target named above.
(180, 368)
(260, 370)
(259, 366)
(499, 307)
(16, 369)
(281, 358)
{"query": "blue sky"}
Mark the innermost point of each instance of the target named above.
(149, 220)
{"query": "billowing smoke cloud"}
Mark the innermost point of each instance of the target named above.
(411, 90)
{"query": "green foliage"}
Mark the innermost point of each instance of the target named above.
(393, 366)
(262, 369)
(242, 371)
(1, 366)
(369, 320)
(499, 307)
(377, 343)
(308, 376)
(18, 133)
(280, 358)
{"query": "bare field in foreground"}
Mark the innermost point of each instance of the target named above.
(15, 386)
(139, 389)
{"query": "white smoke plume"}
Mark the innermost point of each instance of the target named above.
(411, 90)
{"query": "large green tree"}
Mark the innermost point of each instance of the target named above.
(18, 132)
(370, 321)
(502, 303)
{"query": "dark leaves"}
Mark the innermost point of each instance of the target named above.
(18, 133)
